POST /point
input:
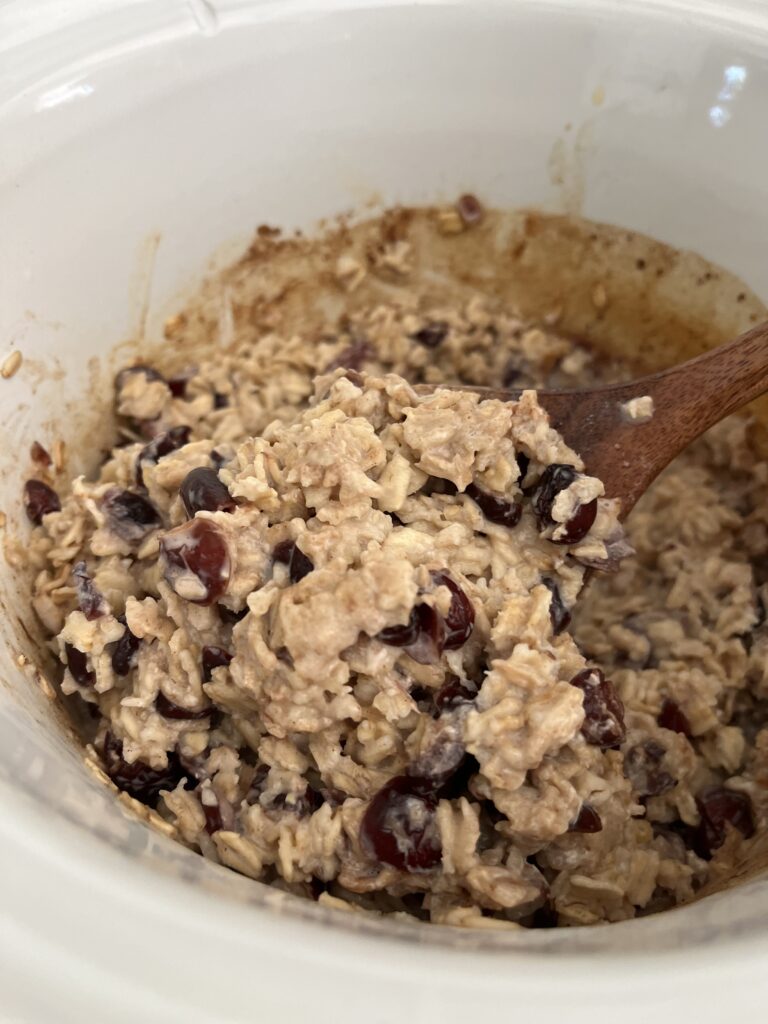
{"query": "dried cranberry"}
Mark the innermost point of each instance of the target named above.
(643, 767)
(402, 636)
(720, 807)
(496, 510)
(431, 334)
(579, 525)
(587, 820)
(131, 516)
(352, 357)
(674, 718)
(138, 779)
(469, 209)
(148, 372)
(124, 651)
(559, 615)
(168, 709)
(399, 827)
(198, 548)
(287, 552)
(89, 598)
(77, 663)
(460, 620)
(39, 454)
(554, 479)
(202, 491)
(603, 711)
(39, 500)
(178, 384)
(213, 820)
(454, 693)
(430, 638)
(214, 657)
(228, 617)
(165, 443)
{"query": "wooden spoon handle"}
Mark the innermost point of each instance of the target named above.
(627, 455)
(688, 399)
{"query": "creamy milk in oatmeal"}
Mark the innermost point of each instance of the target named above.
(331, 629)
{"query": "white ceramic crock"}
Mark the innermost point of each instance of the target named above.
(137, 137)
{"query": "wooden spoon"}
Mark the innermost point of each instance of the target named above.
(687, 399)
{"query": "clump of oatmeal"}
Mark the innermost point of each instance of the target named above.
(324, 624)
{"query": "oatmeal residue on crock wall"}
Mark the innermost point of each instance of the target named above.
(332, 629)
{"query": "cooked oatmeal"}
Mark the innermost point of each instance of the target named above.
(332, 628)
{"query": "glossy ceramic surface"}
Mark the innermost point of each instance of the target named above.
(136, 138)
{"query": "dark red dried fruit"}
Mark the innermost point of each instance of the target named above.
(579, 525)
(469, 209)
(402, 636)
(643, 766)
(720, 808)
(131, 516)
(165, 443)
(228, 617)
(124, 651)
(427, 633)
(399, 827)
(178, 384)
(352, 357)
(138, 779)
(674, 718)
(39, 455)
(496, 510)
(554, 479)
(149, 372)
(213, 821)
(197, 548)
(39, 500)
(430, 638)
(214, 657)
(559, 615)
(454, 693)
(603, 710)
(431, 334)
(202, 491)
(168, 709)
(77, 663)
(90, 599)
(587, 820)
(460, 620)
(287, 552)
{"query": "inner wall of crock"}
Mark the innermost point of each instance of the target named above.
(138, 147)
